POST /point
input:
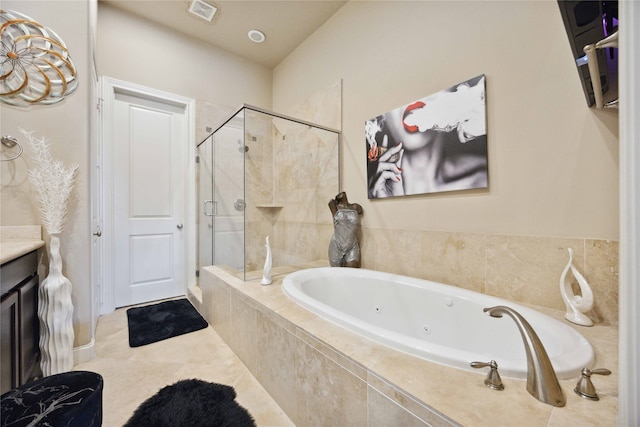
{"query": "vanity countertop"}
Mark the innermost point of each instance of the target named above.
(16, 241)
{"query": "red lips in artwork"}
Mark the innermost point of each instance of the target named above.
(410, 108)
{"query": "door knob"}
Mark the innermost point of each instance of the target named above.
(179, 226)
(98, 233)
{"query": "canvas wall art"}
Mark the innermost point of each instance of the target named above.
(437, 143)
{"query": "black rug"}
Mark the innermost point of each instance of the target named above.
(192, 403)
(158, 322)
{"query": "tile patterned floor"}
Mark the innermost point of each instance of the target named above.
(131, 375)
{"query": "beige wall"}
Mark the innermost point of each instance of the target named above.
(66, 125)
(553, 165)
(137, 51)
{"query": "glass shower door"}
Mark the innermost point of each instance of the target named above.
(220, 177)
(204, 172)
(228, 196)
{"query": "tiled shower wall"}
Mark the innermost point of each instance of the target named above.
(291, 174)
(258, 187)
(307, 173)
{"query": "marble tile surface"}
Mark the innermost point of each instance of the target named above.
(524, 269)
(323, 385)
(131, 375)
(21, 232)
(456, 259)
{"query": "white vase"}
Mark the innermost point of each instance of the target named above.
(55, 312)
(266, 270)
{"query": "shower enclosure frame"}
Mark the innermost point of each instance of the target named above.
(253, 231)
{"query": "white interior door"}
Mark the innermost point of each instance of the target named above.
(148, 199)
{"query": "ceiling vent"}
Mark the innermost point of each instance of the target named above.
(202, 10)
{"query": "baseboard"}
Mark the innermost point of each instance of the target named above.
(84, 353)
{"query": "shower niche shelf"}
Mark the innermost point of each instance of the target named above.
(269, 206)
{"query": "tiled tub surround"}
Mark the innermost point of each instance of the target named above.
(321, 374)
(522, 269)
(517, 268)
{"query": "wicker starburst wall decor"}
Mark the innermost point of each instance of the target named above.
(36, 68)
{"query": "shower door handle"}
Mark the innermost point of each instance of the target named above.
(204, 208)
(215, 208)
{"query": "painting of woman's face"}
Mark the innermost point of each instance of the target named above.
(436, 143)
(410, 135)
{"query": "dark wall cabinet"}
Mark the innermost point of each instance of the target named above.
(20, 329)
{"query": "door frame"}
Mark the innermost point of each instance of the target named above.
(109, 88)
(629, 275)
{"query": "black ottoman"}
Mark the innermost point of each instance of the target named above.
(71, 399)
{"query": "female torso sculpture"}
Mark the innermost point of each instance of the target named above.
(344, 249)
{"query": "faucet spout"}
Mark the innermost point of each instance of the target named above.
(542, 382)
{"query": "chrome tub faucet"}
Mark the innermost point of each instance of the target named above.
(542, 382)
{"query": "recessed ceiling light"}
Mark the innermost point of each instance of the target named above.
(202, 10)
(256, 36)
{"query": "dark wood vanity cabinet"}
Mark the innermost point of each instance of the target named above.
(19, 324)
(10, 342)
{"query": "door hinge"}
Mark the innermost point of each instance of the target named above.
(99, 104)
(197, 159)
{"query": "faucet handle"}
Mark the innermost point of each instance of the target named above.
(493, 380)
(585, 387)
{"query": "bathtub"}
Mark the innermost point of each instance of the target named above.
(440, 323)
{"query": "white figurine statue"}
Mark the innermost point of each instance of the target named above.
(576, 305)
(266, 271)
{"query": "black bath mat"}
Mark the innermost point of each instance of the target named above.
(193, 403)
(158, 322)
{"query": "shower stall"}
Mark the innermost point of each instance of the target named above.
(263, 174)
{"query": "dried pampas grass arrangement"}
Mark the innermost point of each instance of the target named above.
(53, 183)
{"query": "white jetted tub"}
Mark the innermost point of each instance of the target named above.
(440, 323)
